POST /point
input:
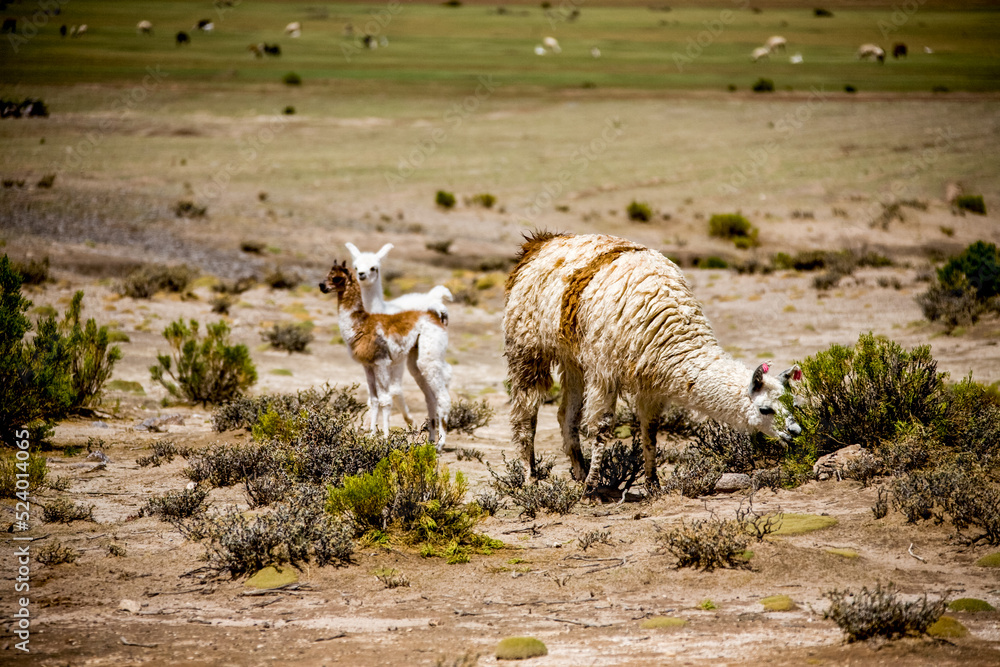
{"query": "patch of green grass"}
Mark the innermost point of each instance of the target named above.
(520, 648)
(971, 605)
(778, 603)
(843, 553)
(280, 371)
(126, 386)
(707, 605)
(798, 524)
(947, 627)
(662, 623)
(992, 560)
(273, 577)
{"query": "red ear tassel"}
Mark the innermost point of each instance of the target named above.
(797, 375)
(764, 367)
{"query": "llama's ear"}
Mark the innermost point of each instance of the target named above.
(384, 250)
(758, 378)
(789, 375)
(353, 249)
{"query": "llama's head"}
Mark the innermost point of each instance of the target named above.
(337, 280)
(368, 264)
(765, 393)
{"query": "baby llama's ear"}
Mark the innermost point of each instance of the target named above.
(789, 375)
(384, 251)
(353, 249)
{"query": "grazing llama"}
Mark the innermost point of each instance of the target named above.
(382, 342)
(616, 318)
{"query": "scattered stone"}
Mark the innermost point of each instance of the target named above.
(98, 456)
(731, 482)
(131, 606)
(99, 424)
(158, 424)
(832, 465)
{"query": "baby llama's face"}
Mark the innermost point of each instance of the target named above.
(367, 269)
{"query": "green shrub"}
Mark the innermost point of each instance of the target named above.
(639, 211)
(36, 467)
(290, 337)
(713, 262)
(176, 504)
(57, 554)
(978, 266)
(33, 272)
(190, 210)
(144, 282)
(861, 394)
(209, 369)
(486, 200)
(93, 358)
(880, 613)
(763, 85)
(292, 79)
(444, 199)
(972, 203)
(735, 227)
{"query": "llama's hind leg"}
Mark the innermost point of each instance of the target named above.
(570, 415)
(600, 402)
(530, 376)
(649, 422)
(396, 391)
(433, 374)
(372, 418)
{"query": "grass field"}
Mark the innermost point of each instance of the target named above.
(641, 49)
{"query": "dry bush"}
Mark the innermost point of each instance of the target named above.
(696, 475)
(466, 416)
(291, 337)
(278, 279)
(57, 554)
(173, 505)
(707, 544)
(557, 495)
(880, 613)
(61, 510)
(144, 282)
(593, 537)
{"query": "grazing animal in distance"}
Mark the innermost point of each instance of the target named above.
(776, 43)
(205, 25)
(383, 342)
(619, 318)
(144, 27)
(182, 38)
(760, 52)
(293, 29)
(899, 50)
(871, 52)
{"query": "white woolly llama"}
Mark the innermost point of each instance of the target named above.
(619, 318)
(382, 342)
(760, 52)
(776, 43)
(871, 52)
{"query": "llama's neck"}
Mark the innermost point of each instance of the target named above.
(719, 390)
(350, 304)
(371, 296)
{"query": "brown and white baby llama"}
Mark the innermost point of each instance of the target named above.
(383, 342)
(619, 318)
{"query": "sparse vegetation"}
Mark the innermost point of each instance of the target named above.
(735, 227)
(292, 79)
(520, 648)
(763, 85)
(444, 199)
(57, 554)
(971, 203)
(639, 211)
(967, 287)
(290, 337)
(173, 505)
(144, 282)
(278, 279)
(203, 370)
(486, 200)
(706, 544)
(33, 272)
(61, 510)
(557, 495)
(36, 467)
(190, 210)
(881, 613)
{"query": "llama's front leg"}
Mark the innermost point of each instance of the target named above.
(649, 423)
(570, 415)
(383, 395)
(396, 391)
(601, 409)
(372, 400)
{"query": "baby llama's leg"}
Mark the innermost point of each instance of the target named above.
(432, 373)
(372, 417)
(396, 391)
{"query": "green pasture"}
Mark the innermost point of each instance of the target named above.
(449, 47)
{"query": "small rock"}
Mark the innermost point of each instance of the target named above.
(99, 424)
(732, 481)
(191, 486)
(98, 456)
(131, 606)
(832, 465)
(157, 424)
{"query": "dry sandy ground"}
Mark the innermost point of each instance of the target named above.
(587, 606)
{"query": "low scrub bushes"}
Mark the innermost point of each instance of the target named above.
(244, 412)
(466, 416)
(971, 203)
(639, 211)
(289, 337)
(57, 554)
(707, 544)
(36, 467)
(967, 287)
(408, 496)
(735, 227)
(61, 510)
(203, 370)
(33, 272)
(62, 368)
(444, 199)
(144, 282)
(881, 613)
(176, 504)
(557, 495)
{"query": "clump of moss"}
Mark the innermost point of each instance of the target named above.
(947, 627)
(797, 524)
(992, 560)
(663, 622)
(779, 603)
(272, 577)
(844, 553)
(520, 648)
(971, 605)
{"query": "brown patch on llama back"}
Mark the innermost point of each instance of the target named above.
(373, 330)
(533, 243)
(577, 283)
